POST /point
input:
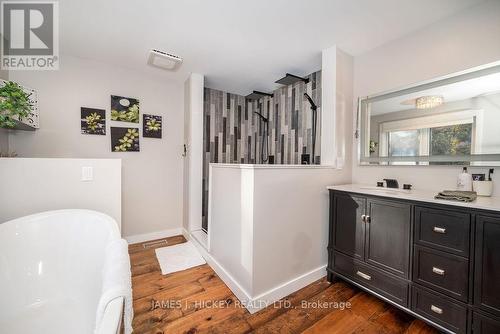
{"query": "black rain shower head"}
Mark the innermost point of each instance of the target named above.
(313, 105)
(255, 95)
(290, 79)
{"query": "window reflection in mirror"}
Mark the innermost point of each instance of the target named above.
(455, 120)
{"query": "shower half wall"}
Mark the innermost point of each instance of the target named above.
(232, 133)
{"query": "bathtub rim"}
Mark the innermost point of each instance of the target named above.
(112, 224)
(112, 320)
(113, 316)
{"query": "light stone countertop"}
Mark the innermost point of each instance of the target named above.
(266, 166)
(483, 203)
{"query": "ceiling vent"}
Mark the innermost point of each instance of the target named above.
(164, 60)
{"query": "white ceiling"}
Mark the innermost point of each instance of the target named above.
(239, 45)
(457, 91)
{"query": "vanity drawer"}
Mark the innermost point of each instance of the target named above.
(443, 229)
(440, 309)
(389, 286)
(441, 271)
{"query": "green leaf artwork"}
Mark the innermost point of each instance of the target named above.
(124, 139)
(93, 121)
(151, 126)
(124, 109)
(14, 104)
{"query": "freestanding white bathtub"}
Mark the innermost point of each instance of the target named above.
(51, 273)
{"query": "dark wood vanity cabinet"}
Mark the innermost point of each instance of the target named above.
(440, 263)
(349, 232)
(487, 264)
(373, 231)
(387, 236)
(485, 324)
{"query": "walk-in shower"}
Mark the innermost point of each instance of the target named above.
(265, 127)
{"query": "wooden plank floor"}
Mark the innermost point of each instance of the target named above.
(197, 301)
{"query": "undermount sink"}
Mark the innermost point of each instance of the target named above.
(387, 190)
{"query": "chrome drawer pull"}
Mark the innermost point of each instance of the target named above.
(363, 218)
(363, 275)
(437, 271)
(439, 230)
(436, 309)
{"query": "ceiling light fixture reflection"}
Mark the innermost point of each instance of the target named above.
(428, 102)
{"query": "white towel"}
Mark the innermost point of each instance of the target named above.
(116, 282)
(178, 257)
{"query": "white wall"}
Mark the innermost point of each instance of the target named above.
(193, 161)
(268, 227)
(460, 42)
(336, 104)
(290, 223)
(231, 222)
(328, 106)
(343, 106)
(35, 185)
(152, 178)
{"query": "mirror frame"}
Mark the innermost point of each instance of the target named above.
(483, 160)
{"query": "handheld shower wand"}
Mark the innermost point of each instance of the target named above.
(313, 105)
(264, 119)
(265, 141)
(314, 109)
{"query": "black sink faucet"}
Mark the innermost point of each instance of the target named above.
(392, 183)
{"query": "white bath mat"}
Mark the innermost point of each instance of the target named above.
(178, 257)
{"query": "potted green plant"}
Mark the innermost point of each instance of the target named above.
(14, 104)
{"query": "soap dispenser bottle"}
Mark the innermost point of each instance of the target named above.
(464, 181)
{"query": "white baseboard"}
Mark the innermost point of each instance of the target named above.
(186, 234)
(283, 290)
(233, 285)
(133, 239)
(255, 304)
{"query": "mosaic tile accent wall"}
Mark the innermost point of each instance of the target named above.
(233, 133)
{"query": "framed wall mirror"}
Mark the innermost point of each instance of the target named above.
(453, 120)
